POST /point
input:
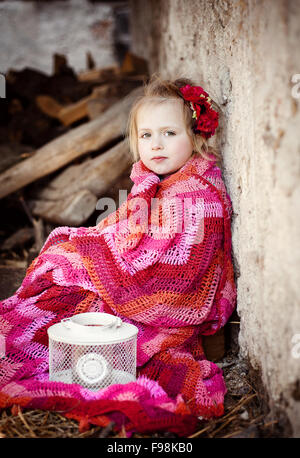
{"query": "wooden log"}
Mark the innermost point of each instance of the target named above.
(68, 114)
(71, 211)
(60, 64)
(108, 94)
(39, 235)
(95, 175)
(11, 278)
(63, 85)
(134, 64)
(73, 112)
(214, 346)
(49, 105)
(98, 74)
(18, 238)
(90, 62)
(96, 107)
(69, 146)
(71, 197)
(101, 98)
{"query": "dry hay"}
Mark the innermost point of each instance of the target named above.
(244, 416)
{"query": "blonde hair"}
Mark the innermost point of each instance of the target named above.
(158, 90)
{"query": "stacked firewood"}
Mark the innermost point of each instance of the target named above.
(63, 147)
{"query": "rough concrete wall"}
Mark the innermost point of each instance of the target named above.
(31, 32)
(245, 54)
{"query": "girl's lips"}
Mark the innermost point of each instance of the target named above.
(159, 158)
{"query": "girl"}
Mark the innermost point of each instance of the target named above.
(162, 262)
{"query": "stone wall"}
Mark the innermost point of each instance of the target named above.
(31, 32)
(245, 54)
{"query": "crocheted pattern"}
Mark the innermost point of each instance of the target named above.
(162, 262)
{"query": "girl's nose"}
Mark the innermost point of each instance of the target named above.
(156, 144)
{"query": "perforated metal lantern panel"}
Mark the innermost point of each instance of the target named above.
(94, 350)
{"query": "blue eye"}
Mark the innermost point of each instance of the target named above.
(168, 133)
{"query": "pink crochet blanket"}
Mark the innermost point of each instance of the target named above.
(162, 262)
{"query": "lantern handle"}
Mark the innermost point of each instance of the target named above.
(92, 319)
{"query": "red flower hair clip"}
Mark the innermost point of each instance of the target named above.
(207, 119)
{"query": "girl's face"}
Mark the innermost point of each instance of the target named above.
(163, 142)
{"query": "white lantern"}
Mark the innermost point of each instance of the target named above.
(94, 350)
